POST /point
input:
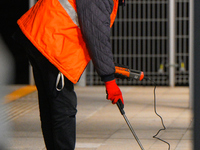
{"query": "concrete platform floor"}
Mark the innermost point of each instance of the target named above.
(100, 126)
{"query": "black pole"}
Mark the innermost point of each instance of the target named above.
(196, 75)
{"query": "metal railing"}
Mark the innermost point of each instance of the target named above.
(182, 42)
(141, 39)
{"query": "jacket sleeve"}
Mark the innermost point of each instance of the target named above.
(94, 20)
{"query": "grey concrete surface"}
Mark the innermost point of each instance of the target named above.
(100, 126)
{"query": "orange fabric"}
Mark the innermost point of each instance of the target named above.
(114, 12)
(51, 30)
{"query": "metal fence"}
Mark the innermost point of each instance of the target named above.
(140, 40)
(182, 42)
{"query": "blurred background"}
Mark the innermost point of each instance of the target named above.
(13, 63)
(154, 36)
(10, 11)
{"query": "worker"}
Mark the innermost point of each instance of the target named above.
(60, 38)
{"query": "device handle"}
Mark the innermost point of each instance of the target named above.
(120, 106)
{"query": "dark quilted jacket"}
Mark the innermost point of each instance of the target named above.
(94, 19)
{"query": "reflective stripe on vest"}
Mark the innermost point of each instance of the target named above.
(70, 10)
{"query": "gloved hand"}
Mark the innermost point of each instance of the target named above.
(113, 91)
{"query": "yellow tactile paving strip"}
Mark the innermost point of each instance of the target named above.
(23, 91)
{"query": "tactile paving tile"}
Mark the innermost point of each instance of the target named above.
(19, 107)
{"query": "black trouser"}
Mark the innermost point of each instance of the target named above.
(57, 108)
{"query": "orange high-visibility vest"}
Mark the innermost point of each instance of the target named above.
(52, 26)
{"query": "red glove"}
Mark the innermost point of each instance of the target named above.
(113, 92)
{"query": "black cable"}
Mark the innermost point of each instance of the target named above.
(140, 74)
(164, 128)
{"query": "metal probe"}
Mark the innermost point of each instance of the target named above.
(121, 108)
